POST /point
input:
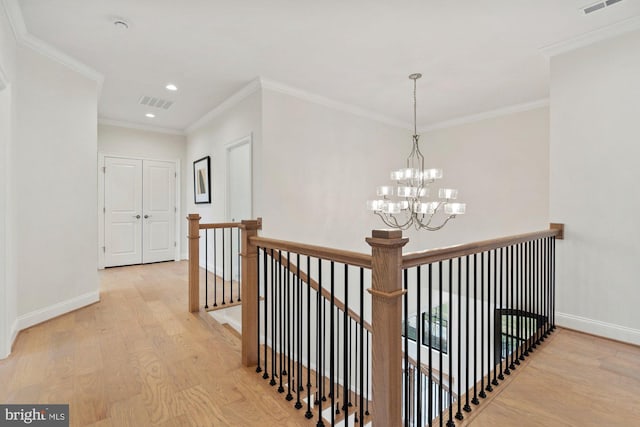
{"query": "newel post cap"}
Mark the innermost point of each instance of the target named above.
(387, 239)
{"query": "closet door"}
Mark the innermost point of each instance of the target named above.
(158, 201)
(123, 211)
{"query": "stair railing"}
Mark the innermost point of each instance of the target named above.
(487, 305)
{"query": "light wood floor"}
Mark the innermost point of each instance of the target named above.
(138, 358)
(574, 379)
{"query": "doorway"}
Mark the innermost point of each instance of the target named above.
(139, 211)
(239, 180)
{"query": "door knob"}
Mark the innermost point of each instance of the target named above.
(147, 216)
(136, 216)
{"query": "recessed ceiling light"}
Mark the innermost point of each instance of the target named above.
(150, 115)
(171, 87)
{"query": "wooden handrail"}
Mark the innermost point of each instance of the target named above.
(221, 225)
(346, 257)
(429, 256)
(325, 294)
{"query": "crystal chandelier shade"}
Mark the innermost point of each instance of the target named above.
(407, 203)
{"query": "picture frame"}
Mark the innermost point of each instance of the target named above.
(202, 180)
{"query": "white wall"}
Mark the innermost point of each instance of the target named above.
(149, 145)
(210, 139)
(54, 183)
(7, 283)
(595, 130)
(320, 165)
(500, 167)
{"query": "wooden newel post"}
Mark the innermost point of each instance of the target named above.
(194, 262)
(386, 321)
(250, 292)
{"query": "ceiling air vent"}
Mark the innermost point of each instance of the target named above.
(599, 6)
(152, 101)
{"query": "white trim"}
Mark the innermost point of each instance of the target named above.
(137, 126)
(177, 256)
(327, 102)
(603, 33)
(23, 37)
(596, 327)
(55, 310)
(512, 109)
(231, 101)
(228, 147)
(221, 316)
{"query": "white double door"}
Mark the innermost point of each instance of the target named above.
(139, 207)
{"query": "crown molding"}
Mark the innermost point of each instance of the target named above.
(512, 109)
(24, 38)
(582, 40)
(137, 126)
(231, 101)
(330, 103)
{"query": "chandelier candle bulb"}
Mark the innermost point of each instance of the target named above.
(455, 208)
(412, 186)
(385, 190)
(448, 193)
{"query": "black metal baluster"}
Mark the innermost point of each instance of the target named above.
(281, 371)
(419, 333)
(467, 389)
(497, 317)
(534, 293)
(273, 321)
(368, 361)
(440, 376)
(215, 272)
(450, 422)
(266, 309)
(206, 269)
(553, 283)
(346, 347)
(308, 415)
(224, 299)
(529, 297)
(258, 368)
(332, 353)
(507, 312)
(231, 264)
(459, 415)
(512, 308)
(482, 393)
(320, 365)
(492, 316)
(239, 268)
(405, 338)
(520, 298)
(299, 322)
(537, 292)
(430, 339)
(360, 407)
(289, 396)
(489, 387)
(475, 400)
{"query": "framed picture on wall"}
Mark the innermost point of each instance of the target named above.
(202, 180)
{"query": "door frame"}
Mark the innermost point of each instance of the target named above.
(247, 139)
(101, 210)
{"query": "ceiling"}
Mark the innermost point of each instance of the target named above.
(474, 56)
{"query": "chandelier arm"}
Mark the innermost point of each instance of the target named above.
(436, 228)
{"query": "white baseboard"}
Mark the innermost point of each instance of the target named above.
(42, 315)
(596, 327)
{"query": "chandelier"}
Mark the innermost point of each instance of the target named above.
(412, 205)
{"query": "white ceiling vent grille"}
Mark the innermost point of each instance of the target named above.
(598, 6)
(152, 101)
